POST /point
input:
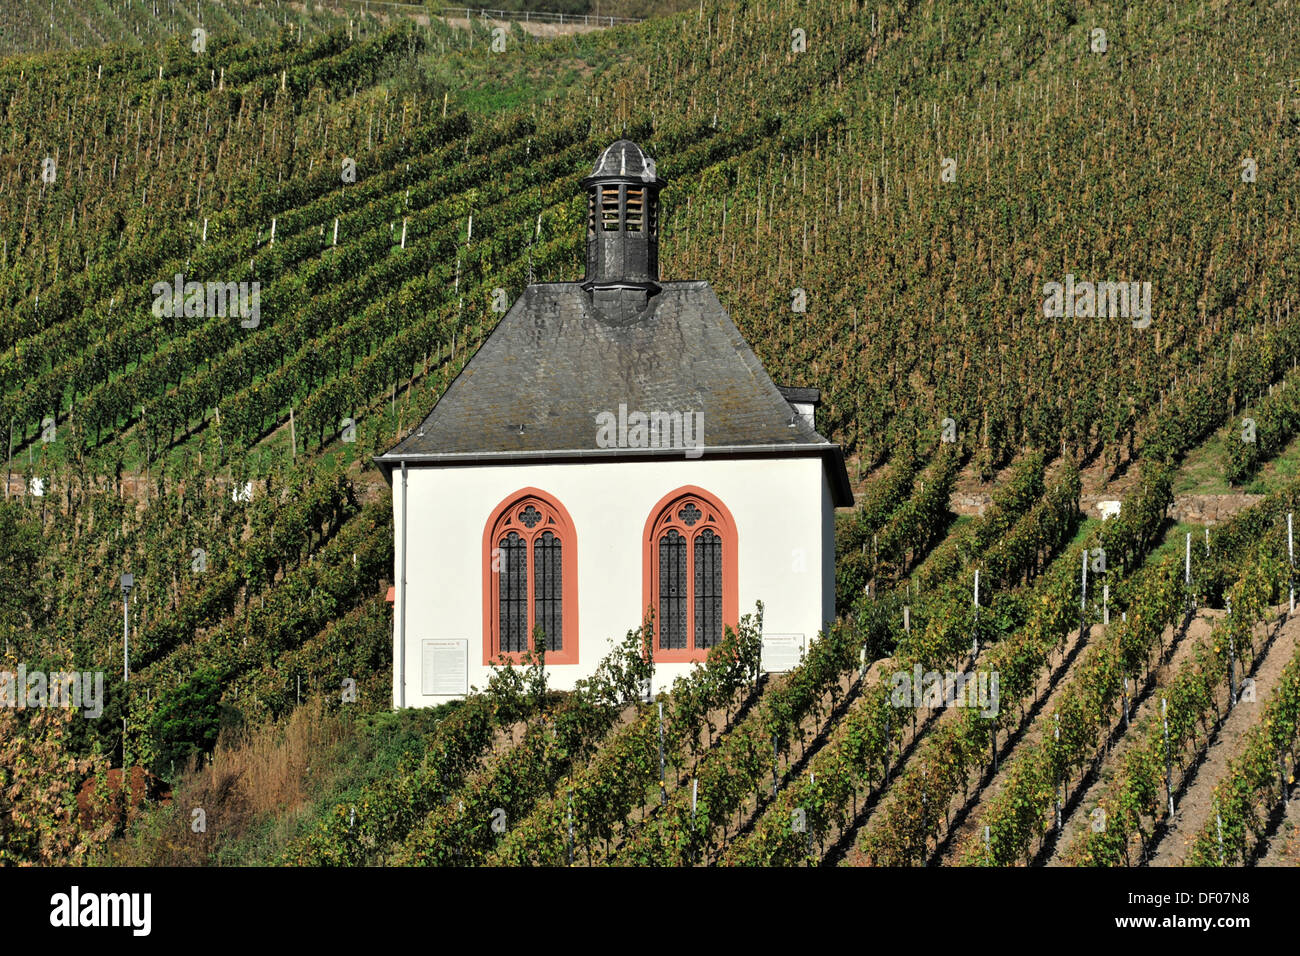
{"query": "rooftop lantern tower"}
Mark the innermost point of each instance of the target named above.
(622, 232)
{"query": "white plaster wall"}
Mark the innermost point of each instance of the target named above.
(782, 510)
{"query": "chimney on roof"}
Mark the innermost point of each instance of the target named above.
(622, 232)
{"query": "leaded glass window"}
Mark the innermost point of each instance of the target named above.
(548, 589)
(708, 589)
(525, 581)
(512, 589)
(672, 591)
(692, 546)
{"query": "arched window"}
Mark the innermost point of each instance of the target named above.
(530, 579)
(690, 574)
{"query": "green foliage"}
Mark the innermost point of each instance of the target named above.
(187, 722)
(20, 562)
(1157, 600)
(601, 797)
(1258, 777)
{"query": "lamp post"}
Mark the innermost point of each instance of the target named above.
(128, 581)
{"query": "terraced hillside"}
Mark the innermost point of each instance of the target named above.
(880, 193)
(41, 27)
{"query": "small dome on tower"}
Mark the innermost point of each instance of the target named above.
(623, 158)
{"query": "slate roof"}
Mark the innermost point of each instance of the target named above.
(554, 362)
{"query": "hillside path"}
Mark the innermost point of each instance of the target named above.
(1197, 803)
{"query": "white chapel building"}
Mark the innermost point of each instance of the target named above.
(614, 446)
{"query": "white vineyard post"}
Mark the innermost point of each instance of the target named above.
(1056, 735)
(925, 817)
(9, 457)
(1169, 770)
(1290, 553)
(128, 582)
(813, 779)
(1232, 669)
(1232, 654)
(569, 840)
(663, 793)
(1083, 597)
(889, 728)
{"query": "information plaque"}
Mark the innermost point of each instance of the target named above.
(782, 652)
(445, 667)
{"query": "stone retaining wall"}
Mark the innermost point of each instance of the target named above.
(1193, 509)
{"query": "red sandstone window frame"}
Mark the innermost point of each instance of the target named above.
(556, 520)
(664, 516)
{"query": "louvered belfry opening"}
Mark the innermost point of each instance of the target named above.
(609, 208)
(635, 207)
(622, 232)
